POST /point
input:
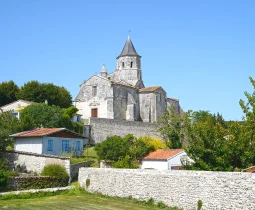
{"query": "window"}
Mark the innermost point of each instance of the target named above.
(15, 114)
(65, 146)
(131, 64)
(50, 145)
(123, 64)
(94, 91)
(78, 146)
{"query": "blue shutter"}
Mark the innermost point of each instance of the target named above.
(78, 146)
(50, 145)
(65, 146)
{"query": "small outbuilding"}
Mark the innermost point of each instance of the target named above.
(15, 107)
(50, 141)
(165, 159)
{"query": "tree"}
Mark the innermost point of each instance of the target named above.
(43, 115)
(39, 92)
(8, 91)
(249, 121)
(207, 145)
(124, 152)
(171, 128)
(113, 148)
(8, 125)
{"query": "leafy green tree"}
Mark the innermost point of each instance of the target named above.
(124, 152)
(8, 91)
(248, 108)
(43, 115)
(8, 125)
(39, 92)
(171, 128)
(113, 148)
(207, 145)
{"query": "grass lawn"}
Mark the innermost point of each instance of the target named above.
(81, 200)
(88, 154)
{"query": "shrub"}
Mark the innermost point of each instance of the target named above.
(3, 181)
(57, 171)
(155, 142)
(3, 164)
(161, 205)
(150, 202)
(34, 182)
(125, 162)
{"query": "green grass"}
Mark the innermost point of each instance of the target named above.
(75, 199)
(88, 154)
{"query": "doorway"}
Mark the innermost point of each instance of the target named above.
(94, 112)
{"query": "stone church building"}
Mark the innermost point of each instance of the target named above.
(121, 94)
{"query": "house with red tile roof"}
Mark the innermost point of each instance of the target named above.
(49, 141)
(165, 159)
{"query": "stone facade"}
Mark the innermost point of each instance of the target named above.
(121, 94)
(101, 128)
(216, 190)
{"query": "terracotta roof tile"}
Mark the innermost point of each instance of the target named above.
(149, 89)
(38, 132)
(162, 154)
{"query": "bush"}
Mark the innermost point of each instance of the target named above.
(57, 171)
(3, 181)
(34, 182)
(155, 142)
(3, 164)
(125, 162)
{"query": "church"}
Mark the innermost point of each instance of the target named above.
(121, 94)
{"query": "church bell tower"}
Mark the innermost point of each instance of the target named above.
(129, 65)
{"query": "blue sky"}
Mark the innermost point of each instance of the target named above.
(201, 52)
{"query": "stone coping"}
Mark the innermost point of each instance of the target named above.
(36, 154)
(173, 172)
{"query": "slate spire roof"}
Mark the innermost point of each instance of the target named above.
(128, 49)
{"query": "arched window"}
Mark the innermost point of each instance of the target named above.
(123, 64)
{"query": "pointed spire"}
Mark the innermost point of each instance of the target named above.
(103, 72)
(128, 48)
(103, 68)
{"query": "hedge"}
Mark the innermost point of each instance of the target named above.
(35, 182)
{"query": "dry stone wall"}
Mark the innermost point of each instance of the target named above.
(101, 128)
(217, 190)
(32, 162)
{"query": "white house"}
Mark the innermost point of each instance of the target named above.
(165, 159)
(50, 141)
(15, 107)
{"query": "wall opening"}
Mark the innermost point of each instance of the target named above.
(123, 64)
(94, 91)
(94, 112)
(131, 64)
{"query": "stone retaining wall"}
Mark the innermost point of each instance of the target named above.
(101, 128)
(217, 190)
(32, 162)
